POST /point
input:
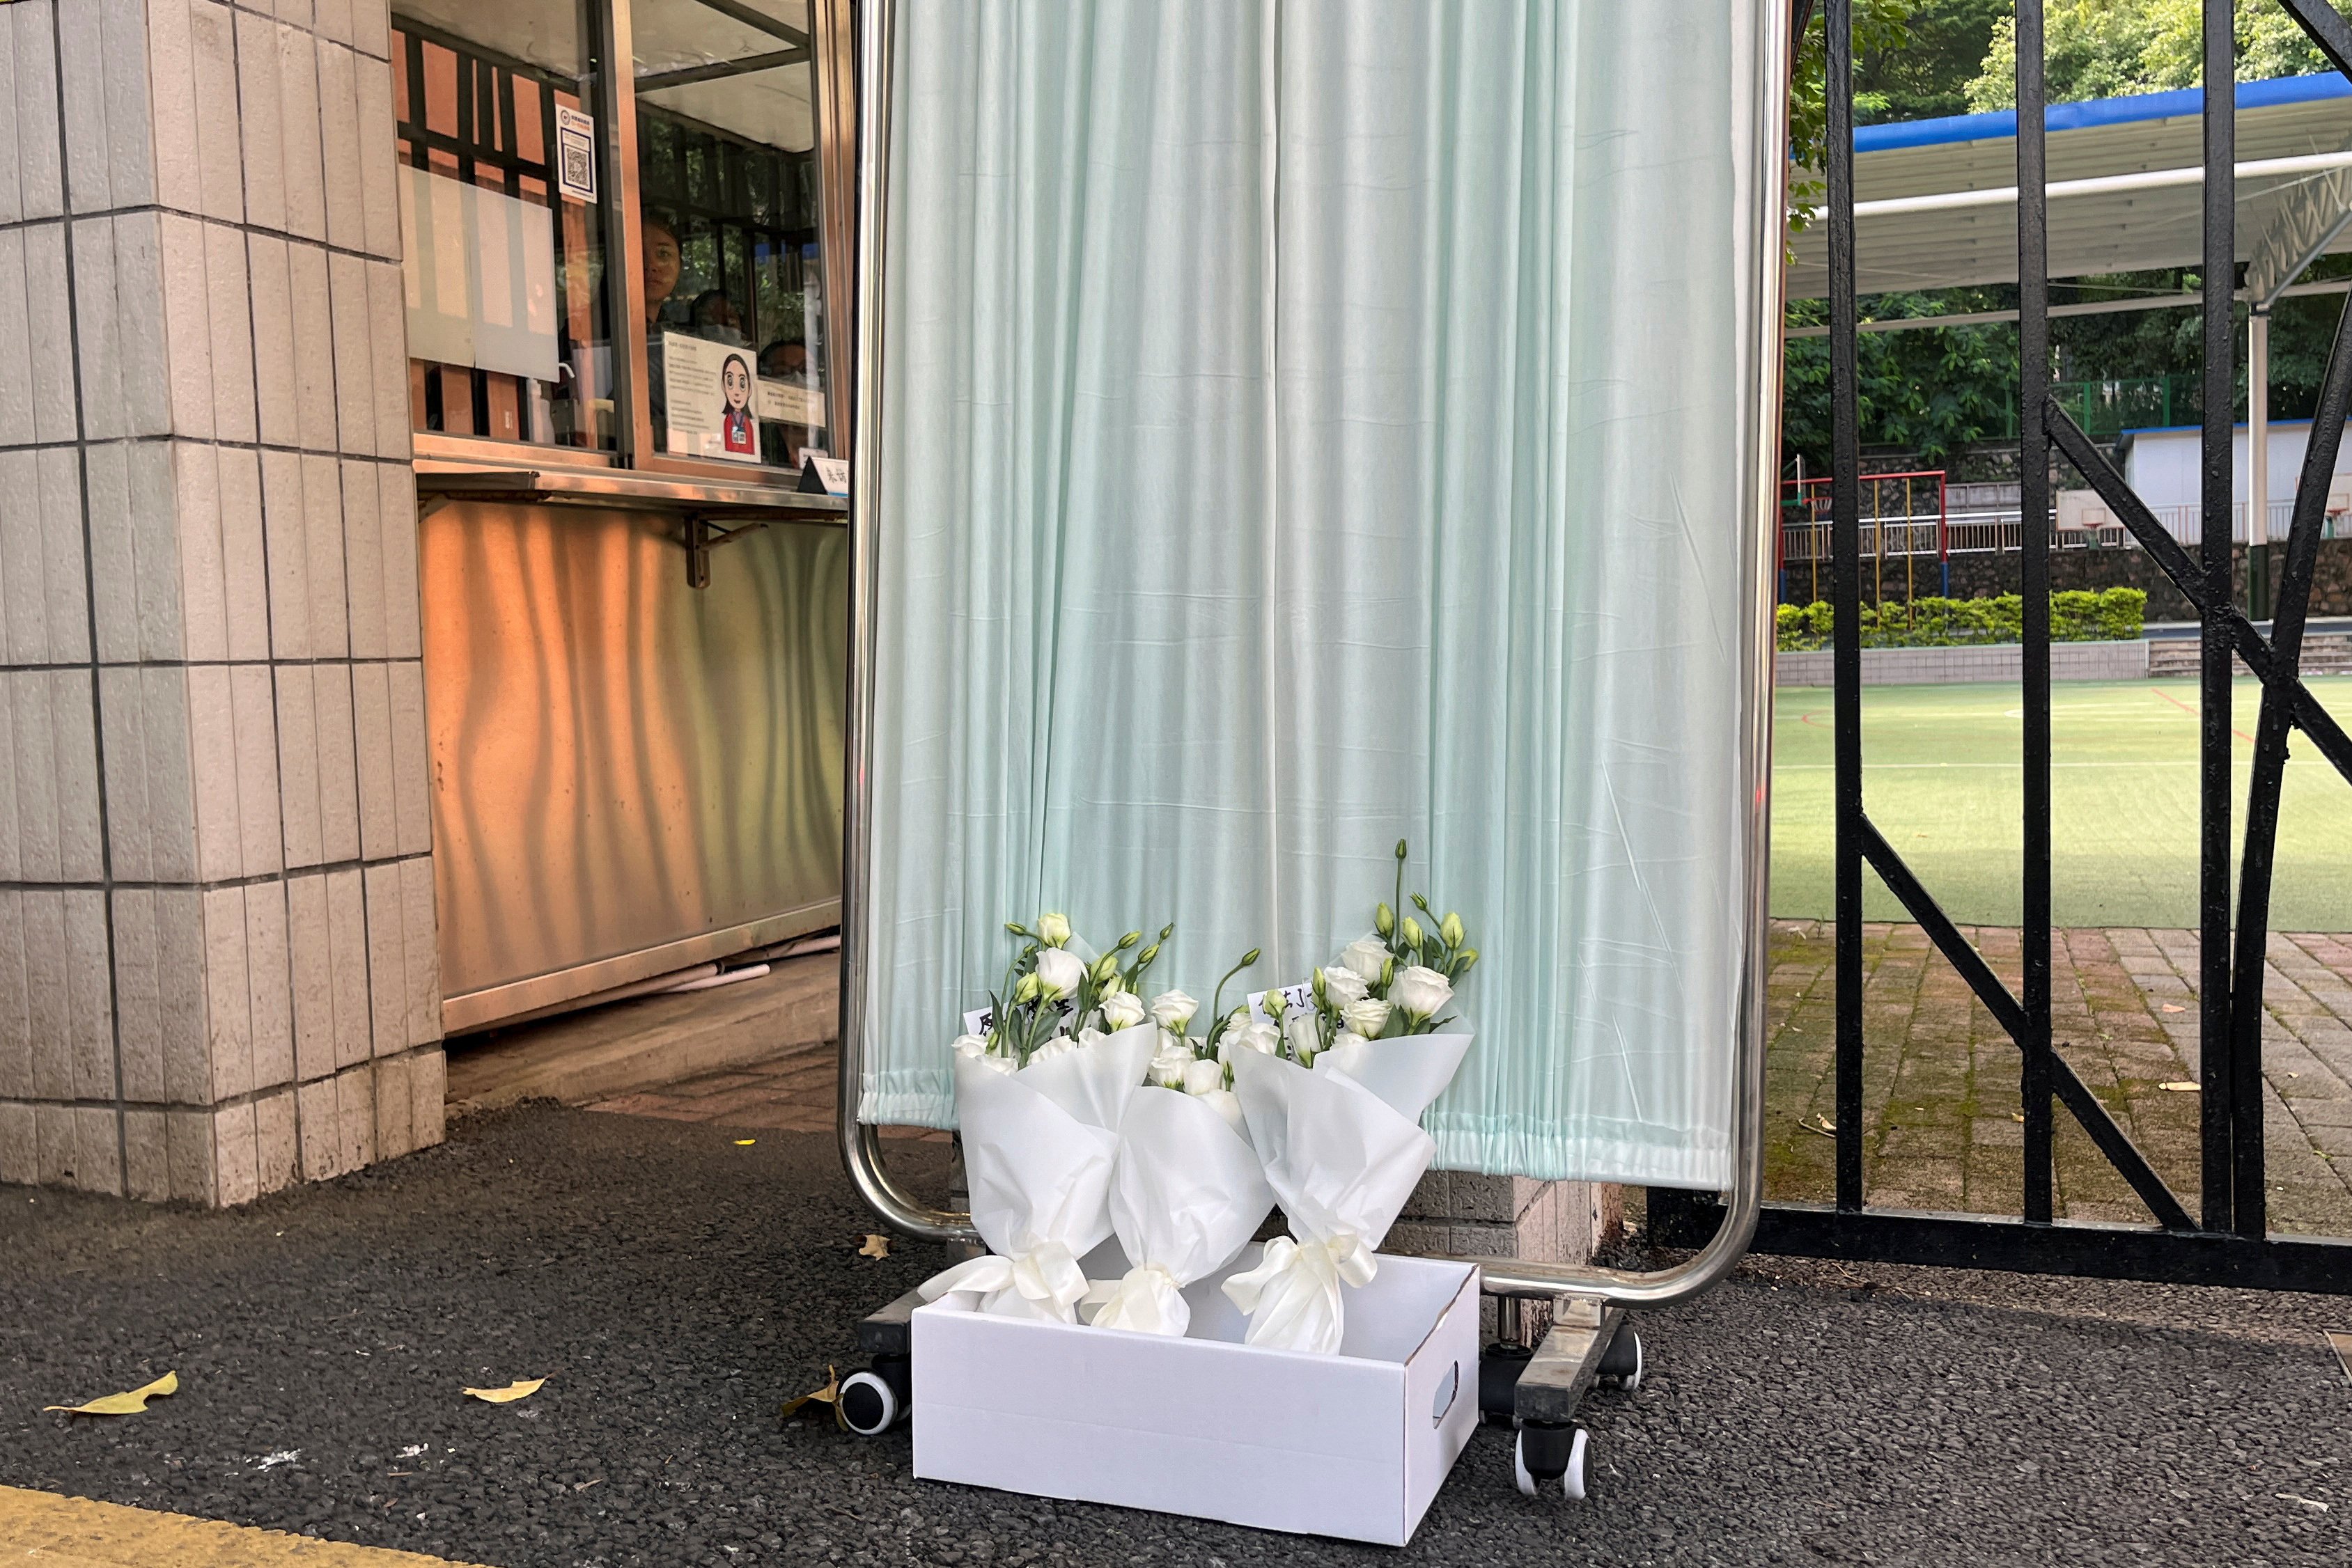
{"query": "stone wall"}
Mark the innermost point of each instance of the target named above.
(1986, 575)
(1962, 666)
(217, 949)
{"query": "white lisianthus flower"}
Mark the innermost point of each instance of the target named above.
(1420, 990)
(1054, 930)
(1345, 1037)
(1368, 1017)
(1203, 1077)
(1169, 1062)
(999, 1063)
(1364, 958)
(1059, 972)
(972, 1045)
(1342, 984)
(1089, 1036)
(1174, 1009)
(1300, 1033)
(1124, 1010)
(1228, 1104)
(1058, 1046)
(1256, 1034)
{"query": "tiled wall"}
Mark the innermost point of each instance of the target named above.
(217, 969)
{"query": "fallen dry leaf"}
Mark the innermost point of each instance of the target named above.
(130, 1404)
(2178, 1086)
(2017, 1115)
(745, 1142)
(523, 1389)
(2173, 1007)
(829, 1395)
(875, 1247)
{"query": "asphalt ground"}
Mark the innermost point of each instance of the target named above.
(674, 1286)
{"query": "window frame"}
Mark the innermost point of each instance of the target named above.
(612, 91)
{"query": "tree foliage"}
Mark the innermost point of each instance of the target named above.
(1931, 390)
(2108, 48)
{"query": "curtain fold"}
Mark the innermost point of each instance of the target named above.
(1311, 424)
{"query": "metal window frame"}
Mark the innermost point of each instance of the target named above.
(861, 1146)
(2229, 1242)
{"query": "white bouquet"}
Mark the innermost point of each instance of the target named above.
(1186, 1196)
(1334, 1112)
(1040, 1111)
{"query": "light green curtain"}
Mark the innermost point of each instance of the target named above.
(1310, 425)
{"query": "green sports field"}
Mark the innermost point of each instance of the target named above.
(1942, 777)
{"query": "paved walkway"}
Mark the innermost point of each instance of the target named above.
(1940, 1078)
(791, 1093)
(43, 1531)
(674, 1286)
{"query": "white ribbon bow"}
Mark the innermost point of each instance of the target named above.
(1044, 1282)
(1293, 1297)
(1146, 1299)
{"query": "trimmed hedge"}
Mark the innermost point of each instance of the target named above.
(2112, 615)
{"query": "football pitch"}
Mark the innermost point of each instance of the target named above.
(1942, 777)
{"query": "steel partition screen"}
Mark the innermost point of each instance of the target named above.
(1298, 426)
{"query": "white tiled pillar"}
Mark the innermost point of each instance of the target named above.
(217, 969)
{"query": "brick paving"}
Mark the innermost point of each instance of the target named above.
(1940, 1078)
(791, 1093)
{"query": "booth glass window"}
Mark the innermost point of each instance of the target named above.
(732, 304)
(508, 324)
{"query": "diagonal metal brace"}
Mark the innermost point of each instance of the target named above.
(2071, 1091)
(2309, 716)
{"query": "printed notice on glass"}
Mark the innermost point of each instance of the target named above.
(575, 153)
(789, 403)
(707, 391)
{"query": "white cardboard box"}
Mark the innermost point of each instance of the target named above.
(1353, 1445)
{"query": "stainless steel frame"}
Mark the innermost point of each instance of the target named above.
(861, 1143)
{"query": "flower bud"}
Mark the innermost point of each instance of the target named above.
(1384, 919)
(1054, 930)
(1026, 991)
(1129, 940)
(1411, 932)
(1452, 930)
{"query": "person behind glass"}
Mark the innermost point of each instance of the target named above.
(715, 319)
(661, 267)
(741, 430)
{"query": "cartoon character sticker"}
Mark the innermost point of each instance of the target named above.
(739, 429)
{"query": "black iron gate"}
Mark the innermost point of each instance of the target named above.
(2227, 1240)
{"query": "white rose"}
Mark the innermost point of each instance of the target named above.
(1054, 930)
(1368, 1017)
(972, 1045)
(1168, 1065)
(1203, 1077)
(1365, 958)
(1174, 1009)
(1059, 972)
(1342, 985)
(1124, 1010)
(1420, 990)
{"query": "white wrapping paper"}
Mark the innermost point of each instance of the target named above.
(1038, 1147)
(1187, 1193)
(1341, 1161)
(1408, 1071)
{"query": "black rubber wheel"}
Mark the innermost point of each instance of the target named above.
(874, 1401)
(1621, 1364)
(1499, 1367)
(1544, 1452)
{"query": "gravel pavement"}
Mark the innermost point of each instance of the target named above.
(674, 1287)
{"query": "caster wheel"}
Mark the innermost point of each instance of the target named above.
(874, 1401)
(1622, 1365)
(1499, 1382)
(1550, 1453)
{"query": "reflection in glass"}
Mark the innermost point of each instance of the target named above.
(508, 333)
(727, 182)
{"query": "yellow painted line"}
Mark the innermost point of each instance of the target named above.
(41, 1530)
